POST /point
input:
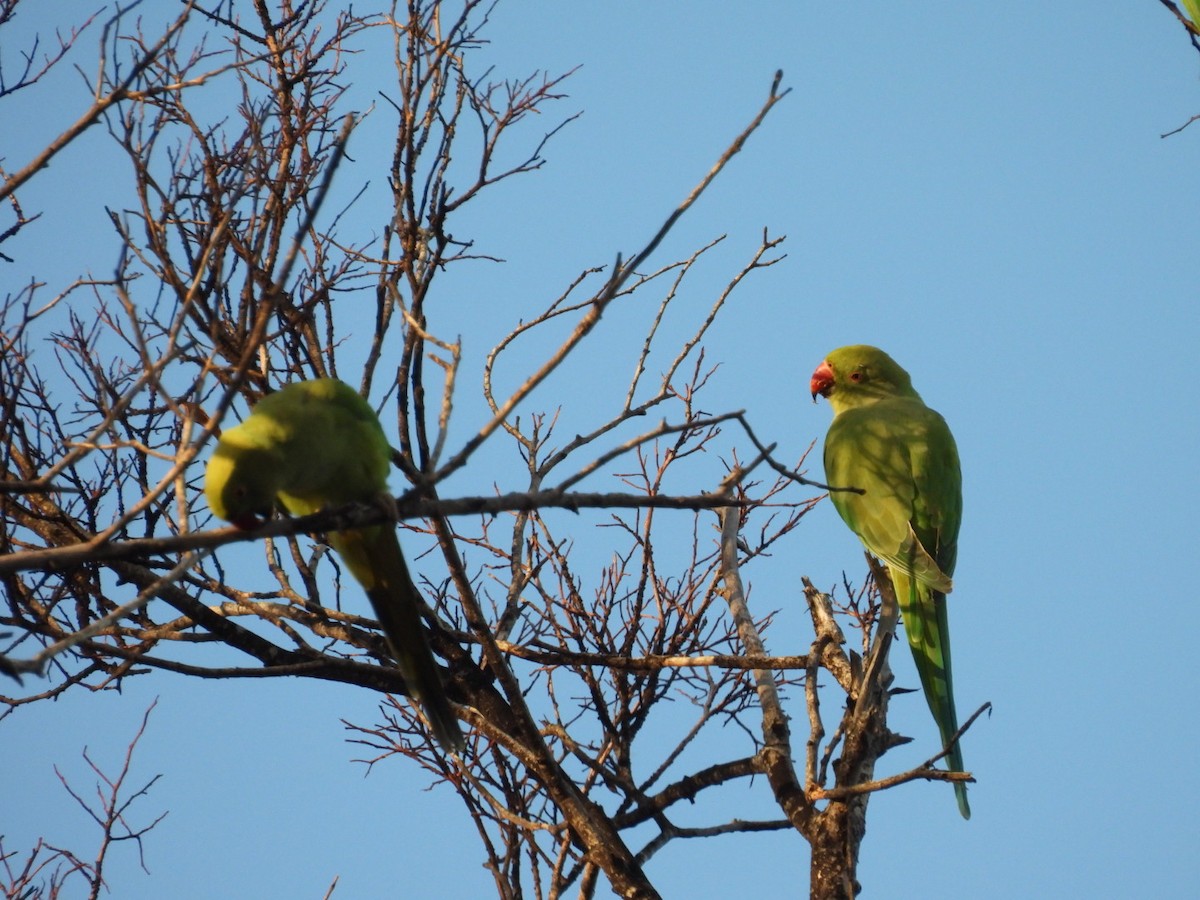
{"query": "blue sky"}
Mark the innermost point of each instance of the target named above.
(982, 190)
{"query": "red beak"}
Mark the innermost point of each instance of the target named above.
(822, 381)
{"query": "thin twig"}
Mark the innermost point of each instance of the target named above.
(620, 274)
(38, 662)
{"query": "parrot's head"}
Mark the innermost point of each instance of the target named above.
(857, 375)
(239, 482)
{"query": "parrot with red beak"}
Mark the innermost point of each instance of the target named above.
(901, 459)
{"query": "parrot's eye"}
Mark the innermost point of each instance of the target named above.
(856, 376)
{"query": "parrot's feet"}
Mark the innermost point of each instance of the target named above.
(387, 503)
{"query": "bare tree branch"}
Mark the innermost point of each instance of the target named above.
(616, 669)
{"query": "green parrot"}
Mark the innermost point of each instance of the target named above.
(314, 445)
(886, 441)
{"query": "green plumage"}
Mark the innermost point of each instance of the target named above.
(314, 445)
(887, 442)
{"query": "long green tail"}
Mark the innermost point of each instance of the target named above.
(928, 629)
(373, 556)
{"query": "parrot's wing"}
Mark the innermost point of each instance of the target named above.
(335, 449)
(873, 449)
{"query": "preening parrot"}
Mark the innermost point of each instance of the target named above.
(886, 441)
(314, 445)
